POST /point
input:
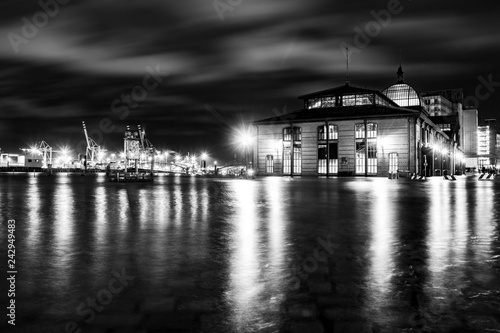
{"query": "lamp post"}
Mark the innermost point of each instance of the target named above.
(244, 141)
(203, 161)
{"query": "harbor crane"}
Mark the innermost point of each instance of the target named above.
(93, 150)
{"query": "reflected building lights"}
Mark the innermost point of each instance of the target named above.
(101, 221)
(34, 213)
(63, 226)
(243, 291)
(382, 229)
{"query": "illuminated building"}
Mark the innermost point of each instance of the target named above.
(349, 130)
(497, 155)
(437, 105)
(483, 146)
(486, 144)
(470, 125)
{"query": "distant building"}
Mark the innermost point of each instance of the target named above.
(349, 130)
(437, 105)
(497, 157)
(487, 144)
(12, 160)
(469, 124)
(20, 160)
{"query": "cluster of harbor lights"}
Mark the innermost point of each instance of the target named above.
(139, 160)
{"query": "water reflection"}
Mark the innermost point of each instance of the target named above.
(382, 222)
(404, 247)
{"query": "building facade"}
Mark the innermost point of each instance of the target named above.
(355, 131)
(437, 105)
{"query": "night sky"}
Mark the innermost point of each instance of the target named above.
(219, 73)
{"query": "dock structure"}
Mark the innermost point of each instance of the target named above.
(130, 177)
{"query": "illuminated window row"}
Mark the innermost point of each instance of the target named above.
(346, 100)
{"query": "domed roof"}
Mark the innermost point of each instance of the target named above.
(401, 93)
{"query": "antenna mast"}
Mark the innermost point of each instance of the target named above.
(347, 65)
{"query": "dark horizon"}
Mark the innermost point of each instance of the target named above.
(242, 63)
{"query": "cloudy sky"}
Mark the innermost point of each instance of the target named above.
(218, 64)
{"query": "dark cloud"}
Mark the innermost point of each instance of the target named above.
(261, 56)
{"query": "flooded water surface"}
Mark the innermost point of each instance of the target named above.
(267, 255)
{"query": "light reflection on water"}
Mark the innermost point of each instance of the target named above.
(423, 246)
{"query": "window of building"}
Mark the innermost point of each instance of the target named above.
(364, 99)
(323, 102)
(371, 130)
(333, 154)
(328, 102)
(297, 159)
(269, 164)
(333, 132)
(393, 162)
(360, 131)
(348, 100)
(328, 153)
(287, 159)
(287, 134)
(297, 133)
(322, 133)
(372, 157)
(322, 158)
(360, 157)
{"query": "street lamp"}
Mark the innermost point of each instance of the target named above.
(244, 140)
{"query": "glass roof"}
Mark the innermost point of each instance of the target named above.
(403, 95)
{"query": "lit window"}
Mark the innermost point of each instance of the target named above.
(322, 133)
(322, 156)
(393, 163)
(314, 103)
(360, 157)
(287, 134)
(348, 100)
(333, 132)
(297, 133)
(360, 131)
(328, 102)
(364, 99)
(371, 130)
(269, 164)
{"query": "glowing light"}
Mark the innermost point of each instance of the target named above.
(204, 156)
(244, 137)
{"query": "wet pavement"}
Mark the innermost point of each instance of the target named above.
(266, 255)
